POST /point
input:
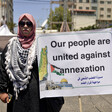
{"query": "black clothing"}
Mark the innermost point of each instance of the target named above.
(28, 99)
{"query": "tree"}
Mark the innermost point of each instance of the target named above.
(57, 16)
(90, 27)
(11, 26)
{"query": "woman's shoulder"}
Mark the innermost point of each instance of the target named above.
(12, 39)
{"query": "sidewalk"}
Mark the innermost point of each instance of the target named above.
(97, 103)
(2, 107)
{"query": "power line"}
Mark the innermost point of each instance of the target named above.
(33, 2)
(48, 2)
(102, 2)
(37, 0)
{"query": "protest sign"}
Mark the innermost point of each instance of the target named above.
(75, 63)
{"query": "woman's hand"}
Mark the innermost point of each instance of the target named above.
(4, 97)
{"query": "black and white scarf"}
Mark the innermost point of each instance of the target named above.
(19, 64)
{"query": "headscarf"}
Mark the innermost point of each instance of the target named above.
(26, 42)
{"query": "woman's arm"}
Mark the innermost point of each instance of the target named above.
(4, 97)
(3, 79)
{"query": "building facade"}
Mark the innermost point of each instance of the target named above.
(6, 11)
(104, 13)
(101, 10)
(84, 18)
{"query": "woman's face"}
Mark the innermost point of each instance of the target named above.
(26, 26)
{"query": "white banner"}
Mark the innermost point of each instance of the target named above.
(75, 63)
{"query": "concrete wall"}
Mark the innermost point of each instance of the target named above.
(4, 41)
(83, 21)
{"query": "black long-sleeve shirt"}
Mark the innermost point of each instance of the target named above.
(28, 99)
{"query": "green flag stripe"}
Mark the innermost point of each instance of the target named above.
(58, 73)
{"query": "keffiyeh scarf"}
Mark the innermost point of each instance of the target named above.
(19, 63)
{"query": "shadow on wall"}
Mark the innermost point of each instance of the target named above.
(1, 49)
(0, 56)
(0, 60)
(3, 42)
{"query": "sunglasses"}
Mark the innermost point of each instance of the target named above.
(28, 23)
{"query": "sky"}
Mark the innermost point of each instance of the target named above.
(39, 9)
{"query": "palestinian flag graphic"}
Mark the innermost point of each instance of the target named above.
(56, 70)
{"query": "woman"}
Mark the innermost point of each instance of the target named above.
(19, 76)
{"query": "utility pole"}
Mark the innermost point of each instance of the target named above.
(4, 8)
(72, 17)
(64, 23)
(65, 15)
(51, 14)
(65, 27)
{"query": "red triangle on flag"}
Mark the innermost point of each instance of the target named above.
(52, 68)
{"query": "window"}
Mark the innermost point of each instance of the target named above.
(80, 1)
(101, 9)
(108, 16)
(108, 2)
(109, 10)
(87, 8)
(80, 7)
(101, 2)
(70, 6)
(94, 8)
(94, 1)
(87, 1)
(74, 6)
(101, 15)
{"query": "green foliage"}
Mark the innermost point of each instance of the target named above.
(11, 26)
(110, 26)
(94, 27)
(90, 27)
(57, 16)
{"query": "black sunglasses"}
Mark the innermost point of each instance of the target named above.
(28, 23)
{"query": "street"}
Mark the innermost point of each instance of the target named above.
(97, 103)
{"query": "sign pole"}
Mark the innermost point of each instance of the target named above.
(80, 103)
